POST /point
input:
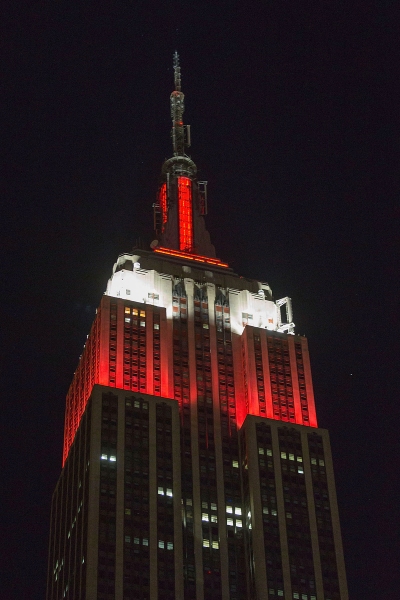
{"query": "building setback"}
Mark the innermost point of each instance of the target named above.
(193, 465)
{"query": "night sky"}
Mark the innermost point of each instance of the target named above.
(295, 126)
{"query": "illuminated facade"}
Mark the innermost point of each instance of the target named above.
(193, 465)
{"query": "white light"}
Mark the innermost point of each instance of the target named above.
(239, 523)
(229, 509)
(169, 492)
(238, 510)
(204, 517)
(113, 458)
(104, 457)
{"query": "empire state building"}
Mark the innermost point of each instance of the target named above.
(193, 464)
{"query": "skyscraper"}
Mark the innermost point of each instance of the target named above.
(193, 465)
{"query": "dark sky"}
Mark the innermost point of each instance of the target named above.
(294, 116)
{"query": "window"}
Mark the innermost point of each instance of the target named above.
(104, 457)
(206, 543)
(229, 509)
(112, 458)
(214, 519)
(235, 464)
(261, 451)
(239, 523)
(291, 456)
(204, 517)
(127, 539)
(229, 521)
(213, 506)
(160, 491)
(321, 462)
(313, 461)
(169, 492)
(215, 545)
(170, 546)
(238, 510)
(156, 326)
(273, 512)
(160, 544)
(265, 510)
(283, 455)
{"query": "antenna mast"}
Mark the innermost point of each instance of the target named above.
(177, 110)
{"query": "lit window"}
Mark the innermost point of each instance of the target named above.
(136, 540)
(169, 492)
(136, 404)
(229, 521)
(188, 501)
(238, 510)
(142, 313)
(214, 519)
(205, 325)
(161, 491)
(135, 311)
(127, 539)
(299, 459)
(127, 511)
(145, 542)
(239, 523)
(288, 515)
(104, 457)
(215, 545)
(283, 455)
(127, 320)
(204, 504)
(313, 461)
(156, 326)
(213, 506)
(291, 456)
(112, 459)
(271, 591)
(160, 544)
(204, 516)
(229, 509)
(265, 510)
(269, 452)
(127, 310)
(280, 592)
(300, 470)
(235, 464)
(296, 595)
(273, 512)
(321, 462)
(261, 451)
(206, 543)
(170, 546)
(142, 323)
(304, 597)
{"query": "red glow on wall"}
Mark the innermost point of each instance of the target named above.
(185, 214)
(195, 257)
(163, 205)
